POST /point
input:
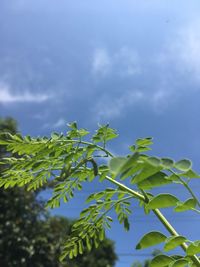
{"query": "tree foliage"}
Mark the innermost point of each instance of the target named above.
(29, 236)
(68, 160)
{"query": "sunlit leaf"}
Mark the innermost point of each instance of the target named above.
(183, 165)
(187, 205)
(162, 201)
(144, 141)
(173, 242)
(115, 164)
(154, 161)
(190, 174)
(151, 239)
(161, 261)
(193, 248)
(167, 163)
(158, 179)
(179, 263)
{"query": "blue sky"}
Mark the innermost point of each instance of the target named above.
(134, 64)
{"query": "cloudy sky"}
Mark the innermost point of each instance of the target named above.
(134, 64)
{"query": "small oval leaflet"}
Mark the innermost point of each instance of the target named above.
(187, 205)
(167, 162)
(173, 242)
(161, 261)
(162, 201)
(193, 248)
(180, 263)
(151, 239)
(115, 164)
(154, 161)
(183, 165)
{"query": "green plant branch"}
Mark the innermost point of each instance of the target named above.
(158, 214)
(127, 189)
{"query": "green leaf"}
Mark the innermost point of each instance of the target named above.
(72, 125)
(144, 141)
(193, 248)
(158, 179)
(132, 148)
(187, 205)
(147, 171)
(83, 132)
(143, 149)
(183, 165)
(126, 224)
(54, 136)
(174, 177)
(180, 263)
(162, 201)
(115, 164)
(151, 239)
(120, 165)
(173, 242)
(161, 261)
(131, 171)
(167, 163)
(88, 243)
(104, 134)
(190, 174)
(154, 161)
(131, 161)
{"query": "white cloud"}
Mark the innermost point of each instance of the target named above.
(54, 125)
(183, 50)
(101, 62)
(124, 62)
(109, 107)
(161, 99)
(59, 123)
(157, 101)
(127, 62)
(8, 97)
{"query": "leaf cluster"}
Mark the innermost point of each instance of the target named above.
(67, 161)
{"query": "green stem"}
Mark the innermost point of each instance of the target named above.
(158, 214)
(127, 189)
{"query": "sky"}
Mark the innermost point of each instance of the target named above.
(134, 64)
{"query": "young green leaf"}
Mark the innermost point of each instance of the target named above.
(120, 165)
(151, 239)
(183, 165)
(158, 179)
(173, 242)
(144, 141)
(147, 171)
(162, 201)
(187, 205)
(161, 261)
(167, 163)
(190, 174)
(179, 263)
(154, 161)
(193, 248)
(115, 164)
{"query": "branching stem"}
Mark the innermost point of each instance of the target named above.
(158, 214)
